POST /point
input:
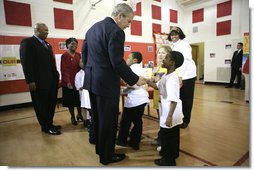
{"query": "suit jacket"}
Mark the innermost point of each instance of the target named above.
(237, 59)
(38, 63)
(104, 50)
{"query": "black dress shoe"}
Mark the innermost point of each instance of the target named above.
(91, 141)
(118, 142)
(86, 123)
(229, 86)
(116, 158)
(51, 131)
(161, 162)
(56, 126)
(132, 145)
(119, 154)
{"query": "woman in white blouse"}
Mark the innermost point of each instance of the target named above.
(187, 72)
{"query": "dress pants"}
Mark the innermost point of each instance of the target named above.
(170, 142)
(91, 128)
(131, 115)
(235, 72)
(187, 95)
(44, 102)
(105, 112)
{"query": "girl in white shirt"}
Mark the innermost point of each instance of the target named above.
(170, 108)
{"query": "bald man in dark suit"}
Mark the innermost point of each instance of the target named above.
(103, 53)
(42, 77)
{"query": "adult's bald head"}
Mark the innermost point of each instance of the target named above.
(41, 30)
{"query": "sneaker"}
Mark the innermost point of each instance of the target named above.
(158, 148)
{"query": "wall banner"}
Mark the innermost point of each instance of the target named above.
(10, 65)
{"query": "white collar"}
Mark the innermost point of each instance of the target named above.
(113, 19)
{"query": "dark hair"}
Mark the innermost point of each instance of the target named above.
(177, 57)
(137, 55)
(176, 30)
(240, 43)
(68, 41)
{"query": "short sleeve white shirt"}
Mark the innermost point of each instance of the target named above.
(83, 93)
(138, 95)
(170, 91)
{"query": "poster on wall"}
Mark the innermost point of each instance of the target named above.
(212, 55)
(10, 65)
(127, 48)
(161, 39)
(228, 46)
(246, 45)
(62, 46)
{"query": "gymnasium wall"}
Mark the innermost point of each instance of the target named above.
(233, 16)
(72, 18)
(16, 91)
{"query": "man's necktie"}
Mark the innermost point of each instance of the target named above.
(45, 44)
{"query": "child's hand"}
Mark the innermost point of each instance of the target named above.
(69, 86)
(157, 78)
(149, 81)
(169, 121)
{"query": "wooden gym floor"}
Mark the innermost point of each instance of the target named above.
(218, 135)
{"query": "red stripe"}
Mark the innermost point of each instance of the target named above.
(242, 159)
(203, 160)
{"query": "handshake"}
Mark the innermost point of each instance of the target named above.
(143, 81)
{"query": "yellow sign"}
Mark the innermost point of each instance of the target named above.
(147, 73)
(9, 61)
(246, 43)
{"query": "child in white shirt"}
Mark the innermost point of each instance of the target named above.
(170, 108)
(85, 102)
(137, 99)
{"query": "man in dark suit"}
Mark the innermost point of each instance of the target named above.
(103, 53)
(236, 66)
(42, 77)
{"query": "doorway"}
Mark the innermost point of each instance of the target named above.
(198, 58)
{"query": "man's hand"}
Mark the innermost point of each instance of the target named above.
(32, 86)
(141, 81)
